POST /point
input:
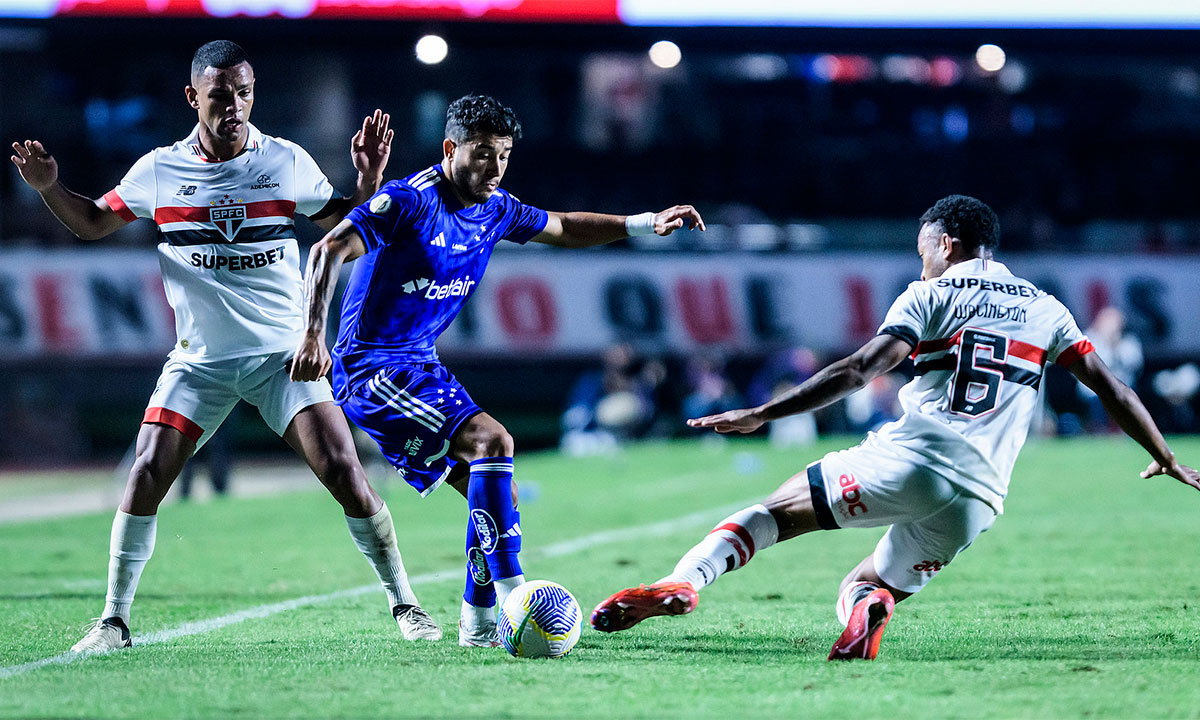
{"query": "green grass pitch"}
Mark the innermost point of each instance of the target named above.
(1080, 602)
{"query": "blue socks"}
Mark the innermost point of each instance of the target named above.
(495, 523)
(479, 592)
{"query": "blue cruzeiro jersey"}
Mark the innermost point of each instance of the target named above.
(426, 254)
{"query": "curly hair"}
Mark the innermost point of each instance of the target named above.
(970, 221)
(218, 54)
(475, 115)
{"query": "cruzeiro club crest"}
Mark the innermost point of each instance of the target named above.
(228, 215)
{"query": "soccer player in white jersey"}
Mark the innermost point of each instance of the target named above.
(937, 476)
(224, 201)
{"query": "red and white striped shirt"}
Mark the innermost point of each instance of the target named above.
(227, 241)
(981, 337)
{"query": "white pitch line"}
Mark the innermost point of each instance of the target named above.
(566, 547)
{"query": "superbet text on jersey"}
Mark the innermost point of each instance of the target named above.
(981, 337)
(227, 241)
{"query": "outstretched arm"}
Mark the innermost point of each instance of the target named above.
(88, 219)
(1123, 406)
(878, 356)
(370, 149)
(584, 229)
(343, 243)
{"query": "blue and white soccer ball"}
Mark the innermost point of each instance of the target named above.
(539, 619)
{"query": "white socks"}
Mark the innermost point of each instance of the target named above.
(728, 547)
(129, 547)
(850, 597)
(505, 586)
(375, 536)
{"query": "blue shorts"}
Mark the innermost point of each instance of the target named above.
(412, 412)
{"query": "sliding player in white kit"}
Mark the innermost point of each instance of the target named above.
(224, 200)
(938, 475)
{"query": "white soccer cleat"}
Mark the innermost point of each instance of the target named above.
(415, 623)
(480, 636)
(477, 626)
(105, 635)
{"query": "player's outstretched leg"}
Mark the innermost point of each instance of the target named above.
(728, 547)
(320, 435)
(161, 453)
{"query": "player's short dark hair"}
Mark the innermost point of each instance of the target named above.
(474, 115)
(970, 221)
(218, 54)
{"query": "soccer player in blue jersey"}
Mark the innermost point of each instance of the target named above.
(424, 243)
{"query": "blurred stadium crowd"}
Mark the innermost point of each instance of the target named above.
(1080, 140)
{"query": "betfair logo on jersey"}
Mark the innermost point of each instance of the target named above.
(228, 219)
(456, 288)
(264, 183)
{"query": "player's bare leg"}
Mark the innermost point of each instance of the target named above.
(484, 444)
(788, 512)
(320, 435)
(161, 452)
(865, 604)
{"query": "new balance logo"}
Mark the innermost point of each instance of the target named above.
(186, 190)
(440, 240)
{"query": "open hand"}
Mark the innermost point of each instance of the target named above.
(742, 421)
(673, 218)
(371, 146)
(1182, 473)
(37, 167)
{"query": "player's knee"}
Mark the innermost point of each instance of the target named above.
(493, 443)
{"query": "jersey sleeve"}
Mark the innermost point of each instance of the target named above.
(1067, 343)
(523, 221)
(313, 190)
(137, 194)
(386, 214)
(907, 317)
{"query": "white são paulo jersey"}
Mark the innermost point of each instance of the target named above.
(981, 337)
(227, 241)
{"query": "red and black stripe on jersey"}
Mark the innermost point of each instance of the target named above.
(284, 210)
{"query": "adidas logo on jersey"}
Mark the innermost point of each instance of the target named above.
(440, 240)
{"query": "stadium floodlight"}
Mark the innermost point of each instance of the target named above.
(432, 49)
(990, 57)
(665, 54)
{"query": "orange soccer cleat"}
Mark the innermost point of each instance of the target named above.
(860, 640)
(633, 605)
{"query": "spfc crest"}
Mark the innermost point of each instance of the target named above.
(228, 219)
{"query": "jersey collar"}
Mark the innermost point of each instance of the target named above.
(192, 141)
(976, 266)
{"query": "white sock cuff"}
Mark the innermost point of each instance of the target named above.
(133, 536)
(754, 527)
(380, 523)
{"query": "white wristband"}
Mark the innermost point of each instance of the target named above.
(642, 224)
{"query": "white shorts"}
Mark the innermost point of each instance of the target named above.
(196, 397)
(932, 520)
